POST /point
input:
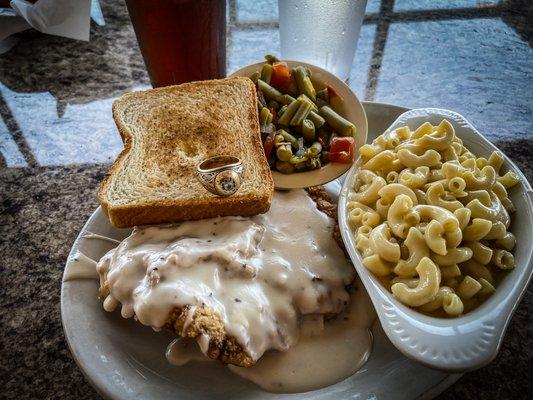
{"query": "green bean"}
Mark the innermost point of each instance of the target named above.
(308, 130)
(273, 104)
(269, 91)
(321, 103)
(255, 76)
(296, 131)
(269, 58)
(261, 99)
(282, 110)
(295, 160)
(315, 149)
(304, 97)
(266, 73)
(313, 163)
(301, 113)
(304, 83)
(323, 95)
(286, 99)
(286, 118)
(324, 134)
(305, 120)
(338, 123)
(317, 119)
(293, 87)
(284, 167)
(301, 167)
(288, 137)
(265, 118)
(284, 152)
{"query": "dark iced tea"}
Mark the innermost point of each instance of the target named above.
(181, 40)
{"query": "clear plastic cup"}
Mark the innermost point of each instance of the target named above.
(323, 33)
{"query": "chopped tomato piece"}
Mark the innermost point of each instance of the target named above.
(269, 144)
(331, 91)
(342, 157)
(281, 75)
(342, 150)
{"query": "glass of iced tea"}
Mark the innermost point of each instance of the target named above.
(180, 40)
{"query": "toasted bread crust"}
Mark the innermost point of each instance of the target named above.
(164, 211)
(205, 206)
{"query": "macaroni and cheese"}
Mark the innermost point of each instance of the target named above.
(431, 220)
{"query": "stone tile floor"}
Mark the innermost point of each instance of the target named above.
(57, 139)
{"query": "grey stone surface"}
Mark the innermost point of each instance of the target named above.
(363, 57)
(249, 46)
(479, 68)
(57, 139)
(372, 6)
(64, 137)
(257, 10)
(410, 5)
(9, 150)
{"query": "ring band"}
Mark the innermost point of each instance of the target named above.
(221, 175)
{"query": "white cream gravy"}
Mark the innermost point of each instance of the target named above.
(261, 275)
(326, 353)
(91, 235)
(258, 274)
(79, 266)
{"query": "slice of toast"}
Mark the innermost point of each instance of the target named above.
(166, 133)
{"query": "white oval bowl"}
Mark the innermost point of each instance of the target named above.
(472, 340)
(350, 108)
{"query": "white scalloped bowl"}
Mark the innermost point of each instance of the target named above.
(472, 340)
(350, 108)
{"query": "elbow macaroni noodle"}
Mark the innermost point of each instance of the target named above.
(431, 219)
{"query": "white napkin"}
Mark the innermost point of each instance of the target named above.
(67, 18)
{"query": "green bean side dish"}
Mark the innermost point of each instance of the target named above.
(299, 128)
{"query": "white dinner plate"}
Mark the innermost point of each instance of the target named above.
(124, 360)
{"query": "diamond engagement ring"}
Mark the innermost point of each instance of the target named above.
(221, 175)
